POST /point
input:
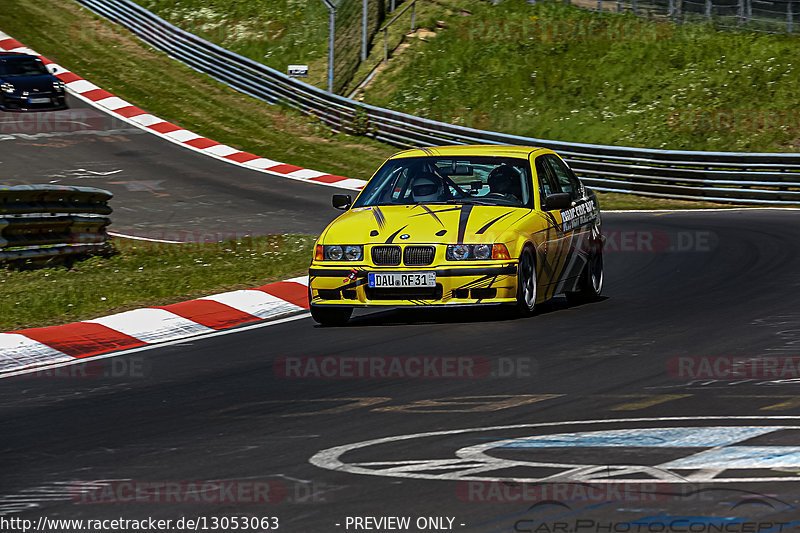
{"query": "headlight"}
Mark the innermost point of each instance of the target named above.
(476, 252)
(352, 253)
(7, 88)
(344, 252)
(333, 253)
(59, 85)
(457, 252)
(482, 251)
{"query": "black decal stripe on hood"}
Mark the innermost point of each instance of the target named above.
(379, 218)
(437, 211)
(428, 211)
(463, 218)
(393, 235)
(488, 224)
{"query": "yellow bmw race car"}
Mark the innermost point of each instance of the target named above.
(460, 225)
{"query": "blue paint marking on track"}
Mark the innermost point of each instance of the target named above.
(685, 521)
(703, 437)
(741, 457)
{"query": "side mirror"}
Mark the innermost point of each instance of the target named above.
(342, 201)
(558, 201)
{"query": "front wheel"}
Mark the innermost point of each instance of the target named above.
(331, 316)
(591, 282)
(526, 283)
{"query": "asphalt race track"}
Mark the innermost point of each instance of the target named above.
(632, 387)
(158, 188)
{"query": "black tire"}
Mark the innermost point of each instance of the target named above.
(590, 285)
(331, 316)
(527, 289)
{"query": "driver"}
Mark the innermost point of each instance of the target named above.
(427, 187)
(504, 180)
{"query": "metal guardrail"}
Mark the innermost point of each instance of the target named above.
(42, 222)
(760, 178)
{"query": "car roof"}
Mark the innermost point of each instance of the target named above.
(15, 54)
(501, 150)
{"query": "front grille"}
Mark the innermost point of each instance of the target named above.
(418, 255)
(414, 293)
(386, 255)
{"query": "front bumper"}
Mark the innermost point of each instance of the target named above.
(473, 284)
(22, 103)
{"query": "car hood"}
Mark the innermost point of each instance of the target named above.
(429, 224)
(28, 83)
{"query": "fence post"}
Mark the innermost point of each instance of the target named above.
(789, 16)
(331, 40)
(385, 45)
(619, 6)
(392, 5)
(413, 15)
(599, 5)
(635, 7)
(364, 10)
(749, 11)
(708, 9)
(671, 9)
(740, 13)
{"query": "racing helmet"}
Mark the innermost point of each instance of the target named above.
(504, 180)
(427, 187)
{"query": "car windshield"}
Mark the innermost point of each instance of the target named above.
(458, 180)
(22, 66)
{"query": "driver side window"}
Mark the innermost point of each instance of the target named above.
(547, 181)
(566, 180)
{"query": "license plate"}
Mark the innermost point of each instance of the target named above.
(38, 100)
(402, 279)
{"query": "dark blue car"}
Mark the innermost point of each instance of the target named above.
(25, 84)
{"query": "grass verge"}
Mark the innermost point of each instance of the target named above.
(555, 71)
(147, 274)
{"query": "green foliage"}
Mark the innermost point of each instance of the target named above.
(145, 274)
(274, 32)
(554, 71)
(360, 124)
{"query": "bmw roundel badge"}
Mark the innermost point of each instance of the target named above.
(405, 236)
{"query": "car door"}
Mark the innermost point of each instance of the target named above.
(553, 244)
(576, 222)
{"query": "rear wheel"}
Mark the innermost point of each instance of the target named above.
(331, 316)
(526, 283)
(591, 283)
